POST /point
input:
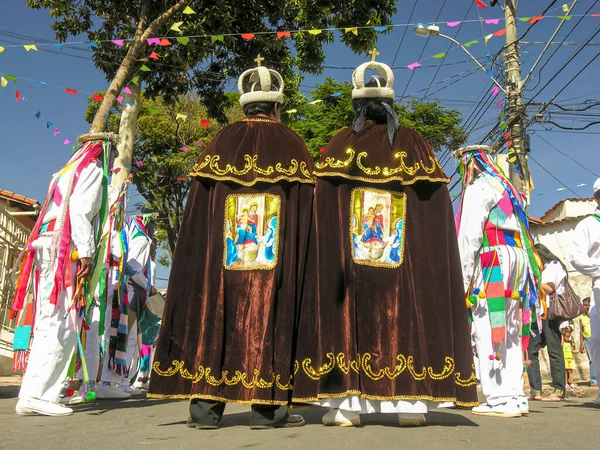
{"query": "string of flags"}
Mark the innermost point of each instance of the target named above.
(167, 41)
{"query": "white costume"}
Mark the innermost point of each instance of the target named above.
(585, 258)
(55, 338)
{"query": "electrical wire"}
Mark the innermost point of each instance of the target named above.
(569, 157)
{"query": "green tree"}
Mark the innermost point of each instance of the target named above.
(331, 111)
(168, 142)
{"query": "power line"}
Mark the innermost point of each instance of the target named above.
(554, 176)
(569, 157)
(404, 33)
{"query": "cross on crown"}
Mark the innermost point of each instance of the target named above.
(374, 54)
(259, 60)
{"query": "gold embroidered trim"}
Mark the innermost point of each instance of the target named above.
(376, 263)
(251, 163)
(384, 398)
(218, 399)
(259, 119)
(254, 181)
(362, 363)
(387, 172)
(204, 373)
(273, 263)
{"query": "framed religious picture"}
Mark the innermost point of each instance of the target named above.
(251, 231)
(377, 227)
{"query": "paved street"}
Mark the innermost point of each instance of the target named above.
(151, 424)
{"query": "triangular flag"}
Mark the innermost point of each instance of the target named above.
(17, 95)
(503, 126)
(120, 99)
(119, 42)
(106, 117)
(153, 41)
(181, 116)
(40, 83)
(453, 24)
(56, 132)
(30, 47)
(564, 17)
(175, 27)
(282, 34)
(126, 90)
(183, 40)
(502, 114)
(67, 142)
(381, 28)
(468, 44)
(155, 55)
(501, 32)
(181, 179)
(565, 8)
(247, 36)
(500, 104)
(136, 80)
(91, 44)
(315, 32)
(139, 164)
(352, 30)
(38, 114)
(97, 97)
(184, 149)
(490, 73)
(70, 91)
(145, 68)
(164, 42)
(291, 111)
(413, 66)
(336, 94)
(59, 46)
(535, 19)
(1, 49)
(480, 4)
(488, 37)
(11, 78)
(439, 55)
(204, 123)
(188, 10)
(217, 37)
(153, 110)
(492, 21)
(315, 102)
(48, 124)
(3, 82)
(159, 175)
(199, 143)
(525, 19)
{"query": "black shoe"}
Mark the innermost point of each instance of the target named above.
(191, 424)
(290, 421)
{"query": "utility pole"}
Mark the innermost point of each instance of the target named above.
(515, 104)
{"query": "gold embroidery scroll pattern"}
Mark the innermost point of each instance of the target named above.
(398, 369)
(367, 170)
(316, 374)
(336, 163)
(251, 163)
(431, 169)
(304, 170)
(472, 380)
(214, 166)
(366, 366)
(411, 368)
(266, 171)
(289, 172)
(446, 372)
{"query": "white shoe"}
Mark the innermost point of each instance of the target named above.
(523, 404)
(411, 420)
(73, 400)
(28, 406)
(110, 392)
(130, 390)
(597, 401)
(146, 386)
(339, 418)
(508, 409)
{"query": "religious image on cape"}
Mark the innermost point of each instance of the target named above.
(377, 227)
(251, 231)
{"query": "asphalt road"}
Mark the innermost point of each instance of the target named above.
(153, 424)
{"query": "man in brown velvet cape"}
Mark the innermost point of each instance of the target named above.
(227, 330)
(383, 325)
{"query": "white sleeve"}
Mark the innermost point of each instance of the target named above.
(84, 204)
(579, 255)
(551, 274)
(137, 260)
(478, 201)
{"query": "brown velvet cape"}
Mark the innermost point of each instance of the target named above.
(384, 333)
(227, 335)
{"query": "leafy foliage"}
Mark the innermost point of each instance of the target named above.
(318, 123)
(202, 65)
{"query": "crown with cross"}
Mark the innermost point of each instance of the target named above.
(385, 80)
(260, 85)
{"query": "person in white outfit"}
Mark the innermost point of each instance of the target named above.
(61, 248)
(585, 258)
(501, 273)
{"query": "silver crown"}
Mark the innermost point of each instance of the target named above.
(259, 85)
(385, 81)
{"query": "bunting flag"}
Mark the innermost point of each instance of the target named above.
(414, 65)
(184, 149)
(38, 114)
(1, 49)
(66, 142)
(181, 116)
(3, 82)
(136, 80)
(315, 32)
(145, 68)
(164, 42)
(473, 42)
(70, 91)
(217, 38)
(352, 30)
(492, 21)
(30, 47)
(453, 24)
(248, 36)
(282, 34)
(188, 11)
(119, 42)
(18, 96)
(176, 27)
(439, 55)
(97, 97)
(153, 41)
(480, 4)
(500, 32)
(204, 123)
(126, 90)
(183, 40)
(154, 56)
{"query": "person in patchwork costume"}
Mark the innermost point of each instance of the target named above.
(501, 273)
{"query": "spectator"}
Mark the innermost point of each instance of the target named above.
(584, 335)
(554, 278)
(568, 345)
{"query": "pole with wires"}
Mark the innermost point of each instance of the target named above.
(514, 89)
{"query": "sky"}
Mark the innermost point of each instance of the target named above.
(30, 152)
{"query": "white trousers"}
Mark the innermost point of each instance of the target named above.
(91, 352)
(54, 338)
